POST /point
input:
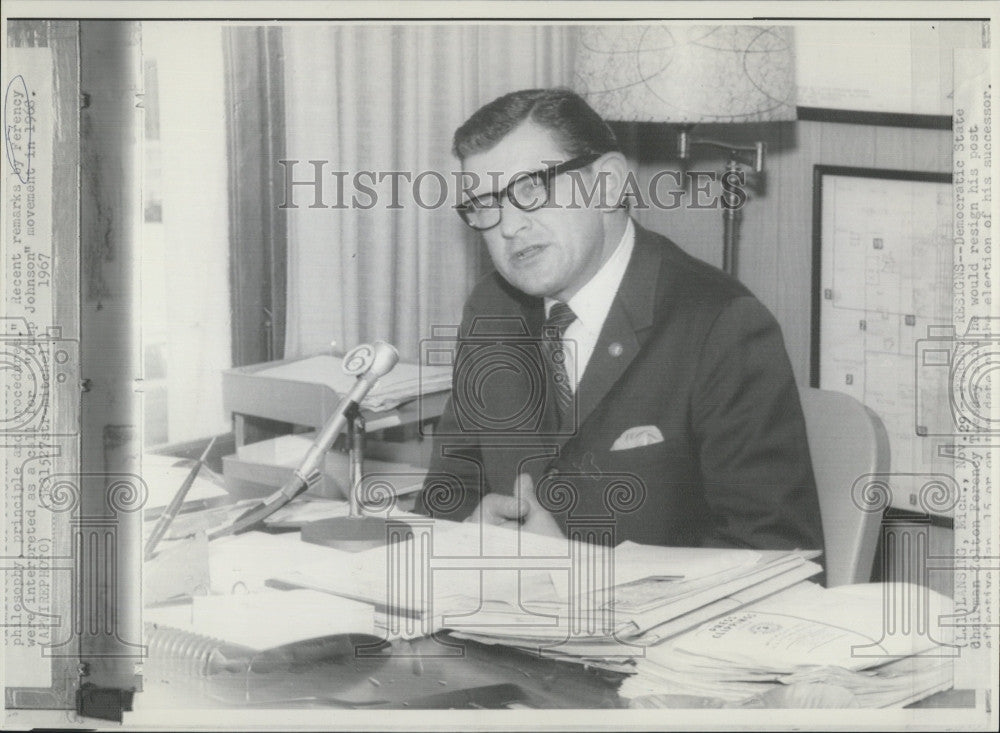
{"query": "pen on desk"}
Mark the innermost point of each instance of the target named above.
(175, 504)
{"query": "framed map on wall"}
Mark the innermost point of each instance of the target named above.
(882, 281)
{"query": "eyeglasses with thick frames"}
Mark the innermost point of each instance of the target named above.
(528, 191)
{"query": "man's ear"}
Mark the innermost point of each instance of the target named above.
(613, 168)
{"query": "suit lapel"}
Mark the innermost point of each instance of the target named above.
(624, 332)
(626, 326)
(616, 347)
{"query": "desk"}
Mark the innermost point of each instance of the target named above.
(404, 675)
(397, 678)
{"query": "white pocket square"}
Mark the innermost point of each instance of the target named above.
(637, 437)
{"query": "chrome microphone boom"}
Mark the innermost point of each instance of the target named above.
(369, 362)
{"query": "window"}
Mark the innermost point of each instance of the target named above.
(185, 306)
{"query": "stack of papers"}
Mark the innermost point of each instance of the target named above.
(498, 585)
(892, 684)
(844, 636)
(648, 610)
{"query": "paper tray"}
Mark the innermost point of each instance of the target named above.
(256, 470)
(279, 390)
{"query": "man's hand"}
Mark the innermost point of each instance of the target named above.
(500, 511)
(519, 511)
(537, 520)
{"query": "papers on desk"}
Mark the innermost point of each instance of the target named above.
(808, 634)
(404, 383)
(366, 575)
(810, 625)
(163, 476)
(680, 607)
(246, 562)
(305, 510)
(527, 601)
(633, 561)
(893, 684)
(266, 620)
(723, 624)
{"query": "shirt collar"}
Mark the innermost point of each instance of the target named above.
(592, 302)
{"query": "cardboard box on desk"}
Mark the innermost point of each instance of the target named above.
(257, 469)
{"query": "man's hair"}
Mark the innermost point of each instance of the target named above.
(574, 125)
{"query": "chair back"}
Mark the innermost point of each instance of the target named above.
(847, 441)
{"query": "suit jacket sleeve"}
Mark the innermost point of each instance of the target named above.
(455, 481)
(748, 425)
(453, 487)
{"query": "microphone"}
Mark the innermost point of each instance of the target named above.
(369, 362)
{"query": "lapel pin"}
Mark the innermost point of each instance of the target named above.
(615, 349)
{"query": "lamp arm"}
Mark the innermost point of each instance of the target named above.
(752, 155)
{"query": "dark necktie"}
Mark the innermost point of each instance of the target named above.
(559, 319)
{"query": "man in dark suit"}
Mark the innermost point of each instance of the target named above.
(602, 374)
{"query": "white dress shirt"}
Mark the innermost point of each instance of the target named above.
(591, 304)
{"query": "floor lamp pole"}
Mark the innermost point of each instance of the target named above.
(731, 215)
(730, 229)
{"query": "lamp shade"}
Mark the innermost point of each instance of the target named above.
(687, 74)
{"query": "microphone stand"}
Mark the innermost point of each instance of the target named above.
(356, 531)
(369, 362)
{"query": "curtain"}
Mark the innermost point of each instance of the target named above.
(255, 87)
(386, 98)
